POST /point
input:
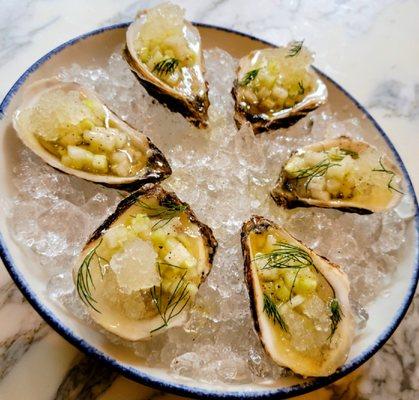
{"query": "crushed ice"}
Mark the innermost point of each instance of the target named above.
(225, 175)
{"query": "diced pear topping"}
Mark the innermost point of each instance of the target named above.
(163, 45)
(100, 163)
(276, 79)
(142, 225)
(78, 131)
(177, 254)
(340, 173)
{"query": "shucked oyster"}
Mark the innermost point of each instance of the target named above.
(274, 88)
(141, 269)
(67, 126)
(342, 173)
(299, 300)
(164, 52)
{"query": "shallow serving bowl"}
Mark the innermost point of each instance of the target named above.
(93, 49)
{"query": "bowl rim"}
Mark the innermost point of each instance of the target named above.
(182, 389)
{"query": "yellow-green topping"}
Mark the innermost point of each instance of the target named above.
(276, 79)
(79, 132)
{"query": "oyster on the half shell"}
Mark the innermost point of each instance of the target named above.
(341, 173)
(164, 52)
(140, 271)
(68, 126)
(299, 300)
(274, 88)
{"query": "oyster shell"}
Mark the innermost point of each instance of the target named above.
(274, 88)
(299, 300)
(164, 52)
(67, 125)
(341, 173)
(140, 271)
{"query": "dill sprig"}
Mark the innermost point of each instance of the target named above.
(168, 265)
(84, 280)
(249, 77)
(335, 316)
(175, 303)
(341, 154)
(351, 153)
(392, 174)
(295, 48)
(314, 171)
(285, 255)
(165, 212)
(301, 88)
(321, 168)
(166, 66)
(272, 312)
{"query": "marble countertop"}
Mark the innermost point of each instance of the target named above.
(369, 47)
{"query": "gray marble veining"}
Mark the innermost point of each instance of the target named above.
(396, 98)
(29, 329)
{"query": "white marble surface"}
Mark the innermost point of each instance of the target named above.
(368, 46)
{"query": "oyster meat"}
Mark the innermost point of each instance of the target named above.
(274, 88)
(299, 300)
(141, 269)
(164, 52)
(67, 125)
(341, 173)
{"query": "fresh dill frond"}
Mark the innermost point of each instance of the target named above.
(285, 255)
(295, 48)
(335, 316)
(168, 265)
(272, 312)
(293, 285)
(165, 212)
(84, 280)
(314, 171)
(351, 153)
(166, 66)
(392, 174)
(301, 88)
(341, 154)
(175, 303)
(249, 77)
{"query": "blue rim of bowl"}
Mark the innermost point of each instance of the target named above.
(180, 389)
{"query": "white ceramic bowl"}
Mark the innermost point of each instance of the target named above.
(385, 312)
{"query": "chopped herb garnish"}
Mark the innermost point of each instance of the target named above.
(301, 88)
(335, 316)
(341, 154)
(168, 265)
(165, 212)
(295, 48)
(84, 280)
(314, 171)
(351, 153)
(272, 312)
(166, 66)
(285, 255)
(174, 304)
(392, 174)
(249, 77)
